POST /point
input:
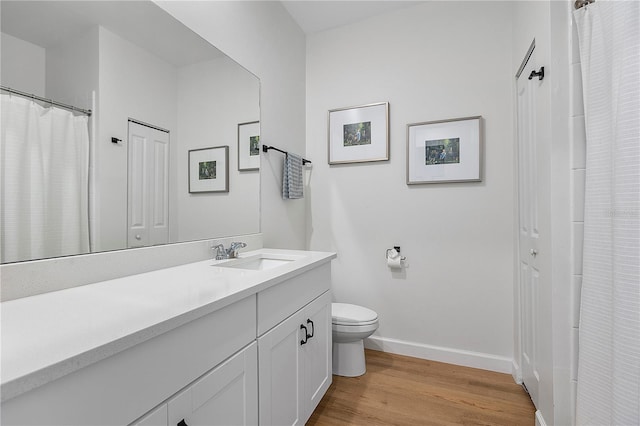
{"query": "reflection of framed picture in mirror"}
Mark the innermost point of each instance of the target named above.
(249, 146)
(209, 169)
(444, 151)
(359, 134)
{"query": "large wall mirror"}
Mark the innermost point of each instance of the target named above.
(162, 157)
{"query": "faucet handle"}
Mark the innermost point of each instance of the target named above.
(220, 251)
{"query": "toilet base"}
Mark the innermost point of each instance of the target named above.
(348, 359)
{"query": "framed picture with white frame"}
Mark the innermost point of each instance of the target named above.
(209, 169)
(445, 151)
(359, 134)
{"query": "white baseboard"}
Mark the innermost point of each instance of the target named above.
(539, 419)
(516, 372)
(436, 353)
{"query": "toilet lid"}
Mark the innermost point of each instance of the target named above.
(344, 313)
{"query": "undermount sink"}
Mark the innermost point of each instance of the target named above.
(260, 262)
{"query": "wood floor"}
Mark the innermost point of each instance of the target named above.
(399, 390)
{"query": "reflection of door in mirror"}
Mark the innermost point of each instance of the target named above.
(148, 185)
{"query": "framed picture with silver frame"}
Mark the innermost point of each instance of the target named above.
(249, 146)
(445, 151)
(209, 169)
(359, 134)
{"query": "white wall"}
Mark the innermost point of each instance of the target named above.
(569, 287)
(578, 174)
(22, 65)
(133, 84)
(213, 98)
(565, 299)
(433, 61)
(263, 38)
(72, 70)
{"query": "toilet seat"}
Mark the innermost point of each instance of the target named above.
(345, 314)
(355, 328)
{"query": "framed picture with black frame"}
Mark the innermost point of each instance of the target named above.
(249, 146)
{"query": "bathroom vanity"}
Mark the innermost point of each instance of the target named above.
(243, 341)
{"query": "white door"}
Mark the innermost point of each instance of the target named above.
(228, 395)
(533, 226)
(281, 367)
(317, 352)
(148, 186)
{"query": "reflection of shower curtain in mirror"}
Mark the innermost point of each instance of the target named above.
(45, 161)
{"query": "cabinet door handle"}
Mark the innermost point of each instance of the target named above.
(306, 335)
(313, 328)
(182, 423)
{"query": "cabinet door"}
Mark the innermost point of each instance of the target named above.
(157, 417)
(317, 352)
(228, 395)
(280, 367)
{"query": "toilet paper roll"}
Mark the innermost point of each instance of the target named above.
(395, 262)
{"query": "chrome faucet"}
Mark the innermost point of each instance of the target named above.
(230, 253)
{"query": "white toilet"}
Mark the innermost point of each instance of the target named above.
(350, 325)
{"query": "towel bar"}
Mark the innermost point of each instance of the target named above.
(266, 148)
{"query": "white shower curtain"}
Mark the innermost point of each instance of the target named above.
(609, 340)
(45, 160)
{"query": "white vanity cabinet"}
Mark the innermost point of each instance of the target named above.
(262, 356)
(157, 417)
(288, 369)
(227, 395)
(121, 388)
(317, 354)
(294, 357)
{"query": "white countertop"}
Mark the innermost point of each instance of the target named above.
(50, 335)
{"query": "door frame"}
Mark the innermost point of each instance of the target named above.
(564, 242)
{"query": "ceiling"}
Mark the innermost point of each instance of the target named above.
(318, 15)
(48, 23)
(67, 19)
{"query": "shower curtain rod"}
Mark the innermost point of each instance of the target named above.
(581, 3)
(49, 101)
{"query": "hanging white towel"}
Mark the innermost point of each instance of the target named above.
(292, 177)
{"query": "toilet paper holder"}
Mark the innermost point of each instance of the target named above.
(393, 253)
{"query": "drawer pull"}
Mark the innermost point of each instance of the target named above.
(306, 336)
(313, 328)
(182, 423)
